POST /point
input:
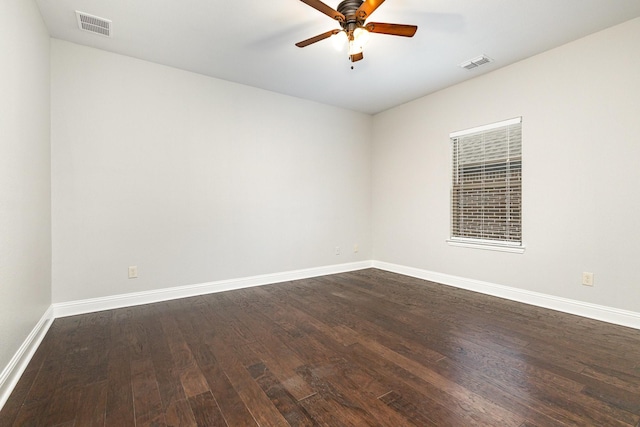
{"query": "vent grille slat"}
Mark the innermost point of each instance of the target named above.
(94, 24)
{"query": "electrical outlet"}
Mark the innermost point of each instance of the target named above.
(338, 250)
(587, 279)
(355, 248)
(133, 271)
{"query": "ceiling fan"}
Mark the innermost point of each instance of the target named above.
(351, 15)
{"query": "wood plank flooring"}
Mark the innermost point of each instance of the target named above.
(367, 348)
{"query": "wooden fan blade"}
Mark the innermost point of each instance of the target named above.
(330, 12)
(317, 38)
(367, 8)
(392, 29)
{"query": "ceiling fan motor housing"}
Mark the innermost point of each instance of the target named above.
(349, 8)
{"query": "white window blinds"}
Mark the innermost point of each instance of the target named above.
(486, 191)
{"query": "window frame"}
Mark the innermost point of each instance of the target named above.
(480, 243)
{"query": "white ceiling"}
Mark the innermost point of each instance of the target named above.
(252, 42)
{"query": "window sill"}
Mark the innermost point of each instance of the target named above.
(487, 246)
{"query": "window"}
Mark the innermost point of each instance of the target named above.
(486, 190)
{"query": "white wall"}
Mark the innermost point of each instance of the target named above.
(195, 179)
(25, 184)
(580, 105)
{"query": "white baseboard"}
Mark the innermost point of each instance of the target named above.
(127, 300)
(616, 316)
(18, 363)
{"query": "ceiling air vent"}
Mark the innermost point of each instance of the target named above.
(94, 24)
(476, 62)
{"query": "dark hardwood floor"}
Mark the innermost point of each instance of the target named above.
(368, 348)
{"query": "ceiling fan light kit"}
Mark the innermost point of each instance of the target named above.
(351, 16)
